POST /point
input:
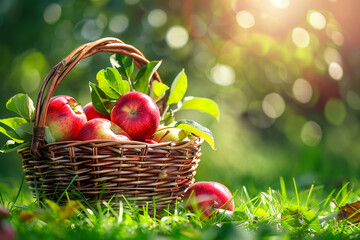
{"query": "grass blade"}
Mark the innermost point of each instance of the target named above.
(283, 189)
(18, 193)
(296, 193)
(309, 195)
(66, 188)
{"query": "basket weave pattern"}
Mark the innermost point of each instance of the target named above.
(103, 170)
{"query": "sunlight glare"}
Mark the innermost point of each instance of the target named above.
(280, 3)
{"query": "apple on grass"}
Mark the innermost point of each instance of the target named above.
(92, 113)
(6, 231)
(65, 117)
(101, 128)
(205, 197)
(137, 114)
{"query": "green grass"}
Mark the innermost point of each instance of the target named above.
(285, 213)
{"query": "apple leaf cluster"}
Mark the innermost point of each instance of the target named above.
(20, 129)
(117, 80)
(112, 83)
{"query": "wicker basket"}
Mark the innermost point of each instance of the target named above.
(103, 170)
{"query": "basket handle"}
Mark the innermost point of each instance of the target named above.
(59, 71)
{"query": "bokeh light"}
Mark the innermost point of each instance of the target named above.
(157, 18)
(332, 55)
(353, 99)
(91, 30)
(311, 133)
(336, 71)
(335, 111)
(119, 23)
(177, 36)
(52, 13)
(223, 75)
(302, 90)
(245, 19)
(337, 37)
(300, 37)
(273, 105)
(317, 20)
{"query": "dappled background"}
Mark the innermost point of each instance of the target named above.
(284, 73)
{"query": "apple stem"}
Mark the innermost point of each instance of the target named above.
(167, 132)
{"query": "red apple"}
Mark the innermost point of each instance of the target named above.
(65, 117)
(101, 128)
(6, 232)
(205, 197)
(151, 141)
(137, 114)
(92, 113)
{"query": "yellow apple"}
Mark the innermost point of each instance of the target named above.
(167, 134)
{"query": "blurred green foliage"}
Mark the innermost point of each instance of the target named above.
(283, 73)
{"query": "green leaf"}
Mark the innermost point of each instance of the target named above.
(107, 81)
(197, 129)
(178, 88)
(22, 105)
(201, 104)
(25, 131)
(12, 146)
(11, 134)
(142, 79)
(13, 122)
(168, 119)
(99, 99)
(111, 83)
(157, 90)
(48, 136)
(123, 63)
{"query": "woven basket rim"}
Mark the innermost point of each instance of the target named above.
(60, 70)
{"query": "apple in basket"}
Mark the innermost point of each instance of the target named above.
(101, 128)
(65, 117)
(92, 113)
(167, 134)
(205, 197)
(137, 114)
